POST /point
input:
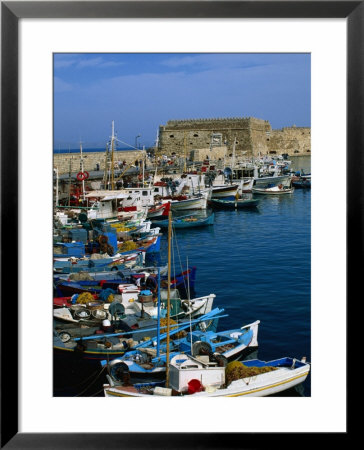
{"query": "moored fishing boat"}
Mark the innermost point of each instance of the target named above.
(94, 343)
(234, 204)
(184, 202)
(197, 377)
(273, 190)
(221, 347)
(132, 301)
(224, 191)
(302, 182)
(159, 210)
(188, 221)
(66, 285)
(118, 262)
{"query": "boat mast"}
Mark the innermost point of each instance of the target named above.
(83, 181)
(233, 161)
(112, 155)
(185, 158)
(159, 311)
(57, 178)
(105, 169)
(69, 179)
(143, 162)
(168, 294)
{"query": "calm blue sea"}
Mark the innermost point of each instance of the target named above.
(257, 262)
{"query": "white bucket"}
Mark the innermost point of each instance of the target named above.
(106, 323)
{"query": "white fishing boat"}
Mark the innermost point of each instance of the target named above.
(193, 202)
(134, 303)
(126, 204)
(198, 377)
(225, 190)
(274, 190)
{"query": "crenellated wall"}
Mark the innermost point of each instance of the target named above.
(70, 162)
(193, 138)
(181, 136)
(254, 137)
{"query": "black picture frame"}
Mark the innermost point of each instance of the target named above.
(11, 12)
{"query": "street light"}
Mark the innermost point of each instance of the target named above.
(136, 140)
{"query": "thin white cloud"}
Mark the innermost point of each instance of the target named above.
(61, 86)
(81, 62)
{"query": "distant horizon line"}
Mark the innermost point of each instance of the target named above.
(93, 150)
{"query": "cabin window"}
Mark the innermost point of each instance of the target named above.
(156, 190)
(144, 193)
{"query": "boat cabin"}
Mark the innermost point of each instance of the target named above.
(184, 368)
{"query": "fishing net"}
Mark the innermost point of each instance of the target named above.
(172, 326)
(128, 245)
(237, 370)
(107, 295)
(80, 276)
(84, 298)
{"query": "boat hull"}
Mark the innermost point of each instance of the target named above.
(234, 204)
(224, 191)
(272, 191)
(179, 223)
(194, 203)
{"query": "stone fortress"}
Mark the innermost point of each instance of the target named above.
(198, 138)
(254, 137)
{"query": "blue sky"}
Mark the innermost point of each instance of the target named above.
(141, 91)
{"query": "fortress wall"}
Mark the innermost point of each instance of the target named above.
(294, 140)
(214, 154)
(179, 136)
(71, 161)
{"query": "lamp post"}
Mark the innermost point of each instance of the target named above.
(136, 141)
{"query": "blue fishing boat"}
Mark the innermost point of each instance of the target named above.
(188, 221)
(129, 332)
(66, 285)
(222, 347)
(122, 261)
(302, 182)
(234, 204)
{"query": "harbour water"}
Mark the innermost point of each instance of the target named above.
(258, 265)
(257, 262)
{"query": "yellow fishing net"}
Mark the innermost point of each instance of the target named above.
(122, 227)
(84, 298)
(110, 298)
(236, 370)
(172, 325)
(128, 245)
